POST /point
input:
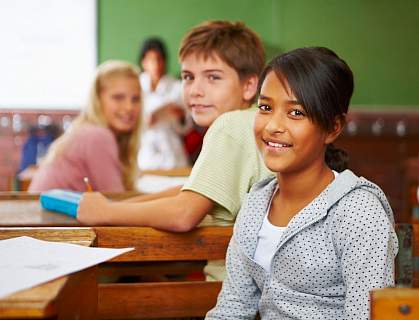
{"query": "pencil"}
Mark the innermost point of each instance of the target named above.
(88, 185)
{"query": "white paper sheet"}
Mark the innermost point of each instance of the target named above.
(26, 262)
(149, 183)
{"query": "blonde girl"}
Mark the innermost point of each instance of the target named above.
(102, 142)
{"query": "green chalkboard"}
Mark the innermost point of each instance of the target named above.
(378, 38)
(123, 24)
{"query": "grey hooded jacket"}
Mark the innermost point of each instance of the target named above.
(332, 253)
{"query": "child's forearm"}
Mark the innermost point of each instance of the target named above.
(180, 213)
(153, 196)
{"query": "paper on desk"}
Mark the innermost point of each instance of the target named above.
(26, 262)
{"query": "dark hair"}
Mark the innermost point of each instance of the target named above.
(233, 42)
(323, 84)
(155, 44)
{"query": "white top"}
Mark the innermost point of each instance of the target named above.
(268, 239)
(168, 90)
(161, 145)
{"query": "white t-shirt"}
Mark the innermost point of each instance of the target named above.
(161, 145)
(268, 239)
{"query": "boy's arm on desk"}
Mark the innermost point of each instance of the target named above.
(170, 192)
(179, 213)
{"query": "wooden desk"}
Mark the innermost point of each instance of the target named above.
(59, 298)
(160, 253)
(394, 304)
(28, 213)
(21, 209)
(176, 172)
(156, 254)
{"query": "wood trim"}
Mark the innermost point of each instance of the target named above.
(157, 300)
(77, 235)
(205, 243)
(18, 195)
(176, 172)
(23, 195)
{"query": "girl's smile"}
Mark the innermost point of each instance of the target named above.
(287, 138)
(276, 146)
(121, 103)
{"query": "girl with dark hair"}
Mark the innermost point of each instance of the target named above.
(165, 118)
(311, 242)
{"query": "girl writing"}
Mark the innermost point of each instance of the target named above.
(102, 142)
(311, 242)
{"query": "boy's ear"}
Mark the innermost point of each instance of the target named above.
(250, 86)
(339, 124)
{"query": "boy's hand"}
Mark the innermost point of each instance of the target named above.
(93, 209)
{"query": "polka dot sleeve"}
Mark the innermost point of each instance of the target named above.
(367, 245)
(239, 296)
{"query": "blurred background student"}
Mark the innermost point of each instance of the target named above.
(102, 142)
(165, 118)
(37, 144)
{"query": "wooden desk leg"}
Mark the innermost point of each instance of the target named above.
(78, 299)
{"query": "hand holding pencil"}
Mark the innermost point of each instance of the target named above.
(88, 185)
(94, 209)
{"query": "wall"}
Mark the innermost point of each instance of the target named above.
(124, 24)
(378, 38)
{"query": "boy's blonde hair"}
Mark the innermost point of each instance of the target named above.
(233, 42)
(128, 143)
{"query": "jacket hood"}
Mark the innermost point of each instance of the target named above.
(347, 182)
